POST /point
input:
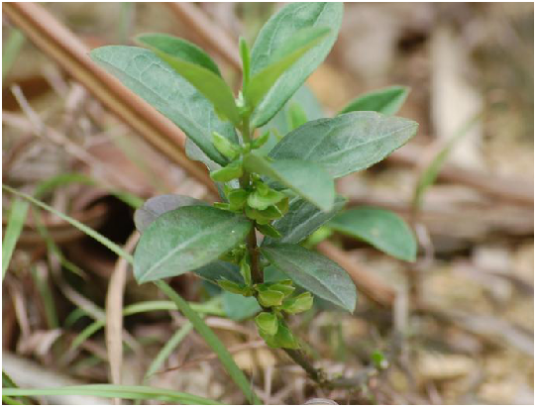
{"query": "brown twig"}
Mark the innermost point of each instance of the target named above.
(114, 314)
(56, 41)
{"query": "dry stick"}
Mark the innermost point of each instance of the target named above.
(114, 313)
(56, 41)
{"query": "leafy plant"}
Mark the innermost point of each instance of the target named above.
(276, 184)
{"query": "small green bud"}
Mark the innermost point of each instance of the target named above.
(282, 339)
(378, 359)
(267, 323)
(224, 146)
(228, 173)
(259, 142)
(237, 198)
(245, 270)
(233, 287)
(270, 298)
(263, 199)
(298, 304)
(269, 230)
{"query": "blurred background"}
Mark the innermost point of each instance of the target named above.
(456, 327)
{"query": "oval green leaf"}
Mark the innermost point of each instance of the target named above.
(210, 84)
(387, 101)
(382, 229)
(347, 143)
(186, 239)
(281, 27)
(295, 48)
(158, 84)
(314, 272)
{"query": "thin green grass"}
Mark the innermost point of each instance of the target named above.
(15, 223)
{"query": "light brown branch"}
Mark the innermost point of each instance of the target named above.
(56, 41)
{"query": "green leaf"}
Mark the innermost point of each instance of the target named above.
(300, 303)
(15, 224)
(234, 288)
(302, 219)
(228, 173)
(290, 52)
(387, 101)
(347, 143)
(158, 84)
(282, 339)
(262, 200)
(269, 230)
(219, 270)
(313, 272)
(267, 322)
(185, 239)
(179, 48)
(158, 205)
(210, 84)
(238, 308)
(114, 391)
(296, 116)
(307, 179)
(224, 146)
(246, 62)
(270, 298)
(383, 229)
(213, 341)
(282, 27)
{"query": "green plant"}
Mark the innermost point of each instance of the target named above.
(273, 183)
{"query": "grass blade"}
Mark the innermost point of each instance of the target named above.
(112, 391)
(169, 347)
(212, 340)
(14, 227)
(80, 226)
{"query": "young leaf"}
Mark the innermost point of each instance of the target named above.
(313, 272)
(307, 179)
(300, 303)
(224, 146)
(290, 52)
(153, 80)
(228, 173)
(270, 298)
(267, 322)
(219, 270)
(158, 205)
(383, 229)
(246, 62)
(302, 219)
(185, 239)
(237, 307)
(275, 34)
(387, 101)
(211, 85)
(347, 143)
(180, 49)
